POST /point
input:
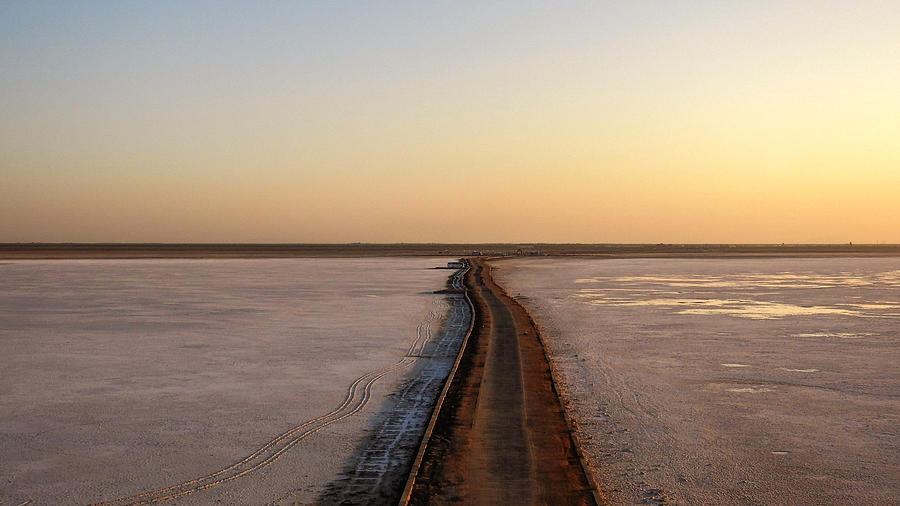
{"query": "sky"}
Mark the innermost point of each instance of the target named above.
(592, 122)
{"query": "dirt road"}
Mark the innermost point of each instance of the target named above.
(501, 436)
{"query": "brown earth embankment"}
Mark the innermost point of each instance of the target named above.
(501, 436)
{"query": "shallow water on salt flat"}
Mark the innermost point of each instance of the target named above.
(728, 380)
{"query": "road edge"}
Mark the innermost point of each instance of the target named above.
(435, 413)
(586, 465)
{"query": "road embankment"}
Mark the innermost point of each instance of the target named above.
(501, 436)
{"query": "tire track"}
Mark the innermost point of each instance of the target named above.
(357, 397)
(382, 469)
(423, 332)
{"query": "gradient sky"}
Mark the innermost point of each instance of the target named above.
(714, 121)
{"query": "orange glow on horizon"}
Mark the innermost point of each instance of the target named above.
(735, 124)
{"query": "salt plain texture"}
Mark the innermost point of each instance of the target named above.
(124, 376)
(727, 381)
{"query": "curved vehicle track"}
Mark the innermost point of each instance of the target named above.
(383, 464)
(358, 395)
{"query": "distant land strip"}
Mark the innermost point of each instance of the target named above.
(25, 251)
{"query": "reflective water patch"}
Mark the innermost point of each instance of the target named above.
(835, 335)
(741, 308)
(750, 390)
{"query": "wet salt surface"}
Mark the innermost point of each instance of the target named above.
(124, 376)
(733, 381)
